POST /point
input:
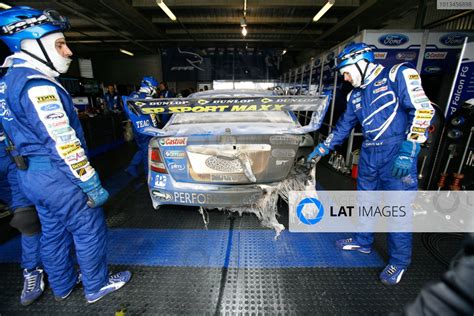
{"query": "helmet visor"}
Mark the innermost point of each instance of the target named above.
(47, 17)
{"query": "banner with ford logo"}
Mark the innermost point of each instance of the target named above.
(442, 52)
(394, 47)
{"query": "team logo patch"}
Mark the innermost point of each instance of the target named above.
(55, 116)
(46, 98)
(50, 107)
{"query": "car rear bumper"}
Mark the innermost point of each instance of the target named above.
(164, 190)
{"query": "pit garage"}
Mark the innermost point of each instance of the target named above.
(237, 157)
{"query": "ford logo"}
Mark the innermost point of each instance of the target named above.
(393, 39)
(452, 39)
(432, 69)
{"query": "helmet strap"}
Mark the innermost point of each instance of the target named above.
(362, 73)
(48, 60)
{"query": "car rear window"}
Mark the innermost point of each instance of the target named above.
(232, 117)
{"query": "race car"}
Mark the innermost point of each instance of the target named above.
(224, 149)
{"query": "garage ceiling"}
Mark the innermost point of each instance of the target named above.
(140, 26)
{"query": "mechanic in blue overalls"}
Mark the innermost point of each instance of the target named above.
(147, 90)
(111, 99)
(394, 112)
(39, 118)
(25, 219)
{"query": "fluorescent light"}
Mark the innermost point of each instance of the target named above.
(4, 6)
(126, 52)
(167, 10)
(244, 31)
(323, 10)
(283, 52)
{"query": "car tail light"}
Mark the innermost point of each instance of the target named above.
(156, 163)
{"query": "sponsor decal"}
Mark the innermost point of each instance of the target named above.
(55, 116)
(46, 98)
(413, 77)
(177, 154)
(65, 138)
(79, 164)
(415, 136)
(141, 124)
(426, 105)
(160, 181)
(224, 178)
(164, 196)
(57, 124)
(356, 100)
(393, 39)
(384, 88)
(406, 56)
(357, 94)
(436, 55)
(417, 89)
(432, 69)
(281, 162)
(75, 156)
(419, 94)
(59, 131)
(415, 83)
(83, 171)
(50, 107)
(68, 149)
(357, 107)
(279, 140)
(423, 117)
(453, 39)
(380, 55)
(418, 130)
(174, 141)
(176, 166)
(430, 112)
(424, 123)
(422, 100)
(380, 82)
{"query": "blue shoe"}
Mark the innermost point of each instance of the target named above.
(392, 274)
(78, 281)
(116, 281)
(33, 285)
(351, 244)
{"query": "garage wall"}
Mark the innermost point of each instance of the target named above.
(126, 70)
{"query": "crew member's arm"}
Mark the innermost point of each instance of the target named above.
(343, 127)
(49, 115)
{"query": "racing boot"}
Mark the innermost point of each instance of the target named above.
(33, 285)
(116, 281)
(392, 274)
(351, 244)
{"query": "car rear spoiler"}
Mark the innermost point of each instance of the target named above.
(138, 109)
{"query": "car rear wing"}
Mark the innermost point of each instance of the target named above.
(138, 109)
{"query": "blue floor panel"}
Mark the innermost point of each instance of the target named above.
(209, 248)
